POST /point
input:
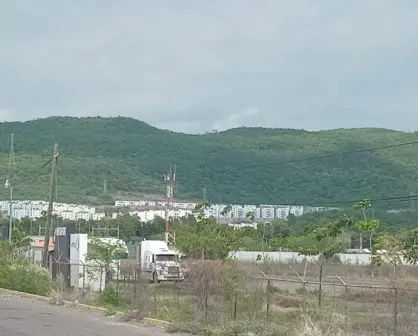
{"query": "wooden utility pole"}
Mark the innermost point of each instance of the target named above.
(52, 187)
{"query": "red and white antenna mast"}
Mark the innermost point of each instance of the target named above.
(170, 179)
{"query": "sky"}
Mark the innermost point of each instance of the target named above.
(196, 66)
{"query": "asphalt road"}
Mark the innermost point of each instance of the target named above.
(27, 317)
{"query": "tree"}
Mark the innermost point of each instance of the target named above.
(362, 206)
(409, 252)
(128, 226)
(20, 241)
(391, 249)
(370, 226)
(328, 245)
(250, 215)
(206, 239)
(17, 247)
(103, 255)
(226, 210)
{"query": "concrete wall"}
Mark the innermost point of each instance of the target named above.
(291, 257)
(85, 276)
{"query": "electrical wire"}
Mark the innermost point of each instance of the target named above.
(341, 154)
(353, 201)
(251, 168)
(372, 149)
(39, 169)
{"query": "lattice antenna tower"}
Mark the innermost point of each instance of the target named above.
(12, 159)
(170, 179)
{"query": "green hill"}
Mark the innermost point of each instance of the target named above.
(243, 165)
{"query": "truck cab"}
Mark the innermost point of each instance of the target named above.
(160, 263)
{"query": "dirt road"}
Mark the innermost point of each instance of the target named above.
(28, 317)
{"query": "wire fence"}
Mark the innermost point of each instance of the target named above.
(218, 293)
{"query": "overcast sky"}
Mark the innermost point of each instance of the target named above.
(195, 66)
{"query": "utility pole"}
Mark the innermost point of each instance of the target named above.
(52, 187)
(12, 159)
(9, 184)
(105, 187)
(411, 201)
(170, 178)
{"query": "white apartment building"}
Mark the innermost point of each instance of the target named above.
(37, 209)
(267, 213)
(74, 212)
(214, 210)
(282, 212)
(149, 215)
(296, 210)
(133, 204)
(249, 208)
(263, 211)
(182, 205)
(237, 211)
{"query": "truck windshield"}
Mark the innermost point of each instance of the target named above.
(165, 257)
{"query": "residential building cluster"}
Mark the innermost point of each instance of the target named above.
(181, 209)
(148, 210)
(153, 204)
(149, 215)
(37, 209)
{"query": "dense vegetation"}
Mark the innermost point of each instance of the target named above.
(268, 236)
(243, 165)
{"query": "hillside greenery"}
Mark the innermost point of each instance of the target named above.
(243, 165)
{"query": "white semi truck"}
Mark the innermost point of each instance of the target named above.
(158, 262)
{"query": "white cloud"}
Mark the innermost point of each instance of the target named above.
(312, 65)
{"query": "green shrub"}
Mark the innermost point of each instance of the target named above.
(24, 277)
(110, 297)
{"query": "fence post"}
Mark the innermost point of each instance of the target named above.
(345, 301)
(304, 288)
(395, 311)
(206, 301)
(155, 300)
(117, 275)
(268, 300)
(84, 277)
(235, 305)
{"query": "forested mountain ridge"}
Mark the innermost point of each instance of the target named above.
(242, 165)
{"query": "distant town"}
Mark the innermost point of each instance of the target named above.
(149, 210)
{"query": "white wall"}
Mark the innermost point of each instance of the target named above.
(290, 257)
(82, 275)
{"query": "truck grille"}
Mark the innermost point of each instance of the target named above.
(173, 270)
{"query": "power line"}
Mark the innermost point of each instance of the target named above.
(324, 204)
(326, 156)
(319, 157)
(372, 149)
(40, 168)
(305, 180)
